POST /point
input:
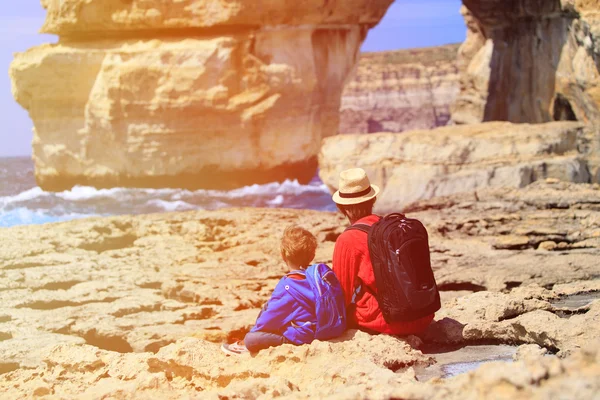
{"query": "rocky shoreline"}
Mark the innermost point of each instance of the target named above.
(141, 94)
(135, 307)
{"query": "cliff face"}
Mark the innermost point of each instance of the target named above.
(530, 61)
(118, 17)
(423, 164)
(401, 90)
(193, 94)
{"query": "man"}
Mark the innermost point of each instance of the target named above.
(352, 264)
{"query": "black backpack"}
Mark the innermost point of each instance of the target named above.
(399, 251)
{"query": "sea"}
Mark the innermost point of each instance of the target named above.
(22, 202)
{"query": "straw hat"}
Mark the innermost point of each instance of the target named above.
(354, 187)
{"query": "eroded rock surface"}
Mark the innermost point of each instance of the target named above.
(196, 94)
(396, 91)
(423, 164)
(535, 378)
(137, 306)
(75, 17)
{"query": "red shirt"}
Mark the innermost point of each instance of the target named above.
(351, 260)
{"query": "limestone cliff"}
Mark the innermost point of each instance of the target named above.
(190, 94)
(423, 164)
(530, 61)
(401, 90)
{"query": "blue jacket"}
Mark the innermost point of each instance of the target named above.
(290, 312)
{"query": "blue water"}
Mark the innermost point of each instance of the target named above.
(22, 202)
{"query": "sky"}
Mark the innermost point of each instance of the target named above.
(407, 24)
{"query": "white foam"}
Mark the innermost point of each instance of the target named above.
(27, 195)
(287, 187)
(35, 206)
(277, 201)
(84, 193)
(298, 189)
(178, 205)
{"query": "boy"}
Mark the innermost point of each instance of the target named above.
(289, 316)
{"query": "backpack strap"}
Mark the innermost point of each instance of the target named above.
(359, 227)
(366, 229)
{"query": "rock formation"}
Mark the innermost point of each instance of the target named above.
(530, 61)
(396, 91)
(193, 94)
(527, 62)
(424, 164)
(135, 307)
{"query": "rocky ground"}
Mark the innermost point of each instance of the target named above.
(136, 307)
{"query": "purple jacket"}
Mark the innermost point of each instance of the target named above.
(290, 312)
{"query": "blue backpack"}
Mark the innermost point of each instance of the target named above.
(330, 307)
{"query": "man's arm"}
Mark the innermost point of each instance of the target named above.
(345, 266)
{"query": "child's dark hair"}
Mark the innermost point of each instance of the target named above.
(298, 246)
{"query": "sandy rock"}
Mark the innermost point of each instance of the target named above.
(189, 366)
(547, 245)
(24, 347)
(138, 284)
(529, 351)
(138, 305)
(511, 242)
(461, 236)
(419, 165)
(396, 91)
(494, 307)
(540, 327)
(132, 95)
(536, 378)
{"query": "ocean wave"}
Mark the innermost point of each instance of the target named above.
(27, 195)
(277, 201)
(287, 187)
(37, 206)
(85, 193)
(177, 205)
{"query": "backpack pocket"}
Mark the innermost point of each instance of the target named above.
(415, 274)
(330, 317)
